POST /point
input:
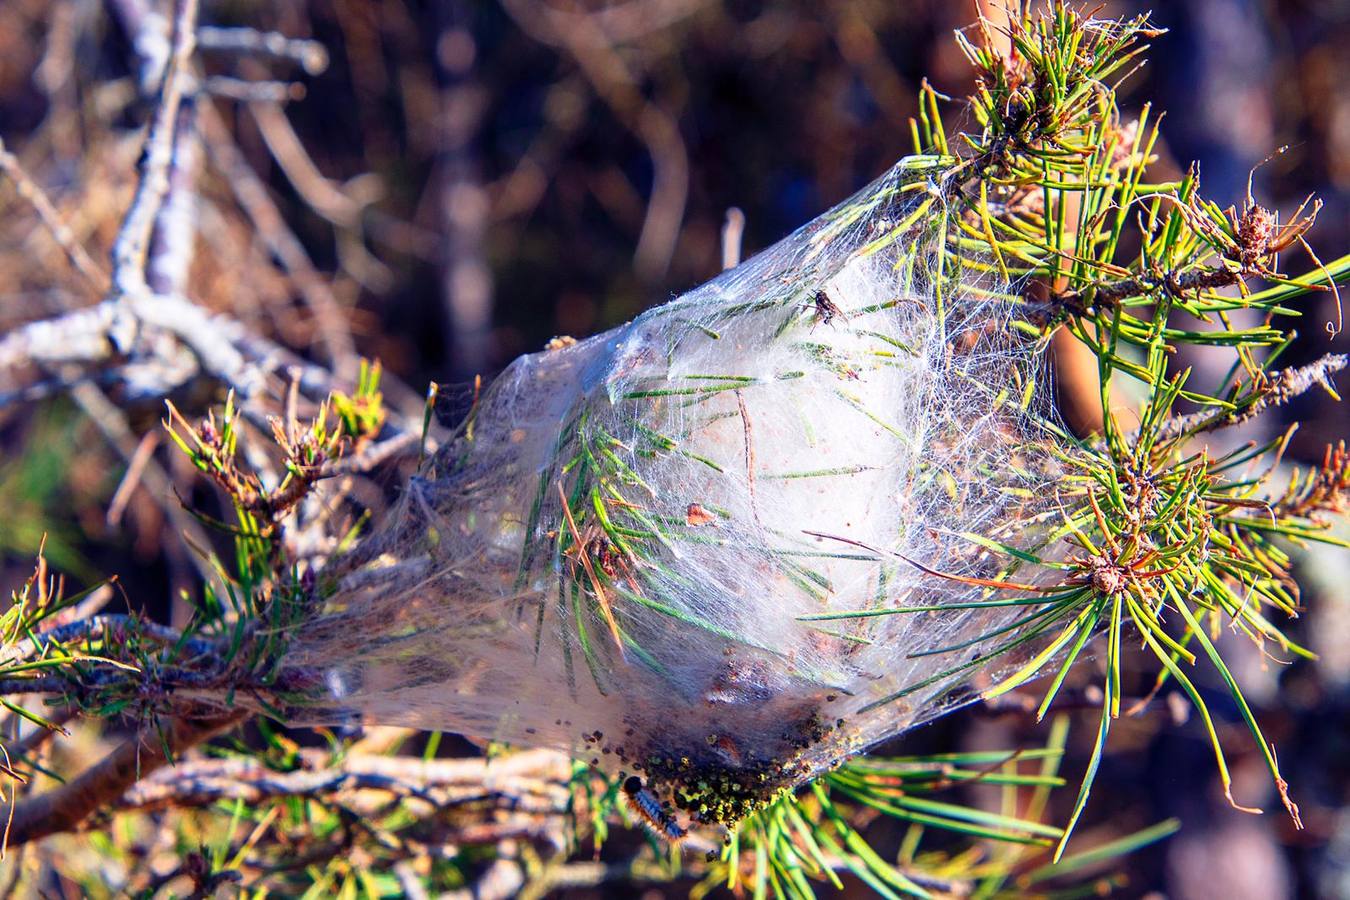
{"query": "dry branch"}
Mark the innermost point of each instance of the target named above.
(133, 240)
(535, 781)
(309, 55)
(67, 807)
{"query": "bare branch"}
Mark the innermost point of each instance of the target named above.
(97, 337)
(133, 240)
(535, 780)
(67, 807)
(145, 450)
(253, 91)
(175, 229)
(43, 684)
(309, 55)
(374, 455)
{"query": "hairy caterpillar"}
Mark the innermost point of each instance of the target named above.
(649, 809)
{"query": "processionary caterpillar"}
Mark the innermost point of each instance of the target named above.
(649, 809)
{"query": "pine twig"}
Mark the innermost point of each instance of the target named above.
(108, 626)
(1279, 388)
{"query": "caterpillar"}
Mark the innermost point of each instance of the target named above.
(649, 809)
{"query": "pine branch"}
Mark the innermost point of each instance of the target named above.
(1277, 389)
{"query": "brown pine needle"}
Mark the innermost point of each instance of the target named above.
(600, 595)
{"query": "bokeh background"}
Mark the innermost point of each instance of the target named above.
(469, 178)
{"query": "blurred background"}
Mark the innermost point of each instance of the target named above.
(467, 179)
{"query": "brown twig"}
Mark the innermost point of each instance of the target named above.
(65, 808)
(112, 422)
(322, 195)
(55, 225)
(126, 488)
(1178, 284)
